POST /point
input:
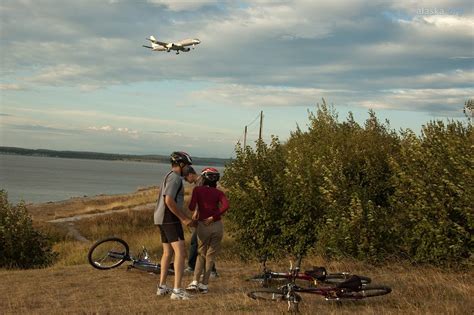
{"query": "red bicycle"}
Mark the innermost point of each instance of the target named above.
(308, 278)
(351, 289)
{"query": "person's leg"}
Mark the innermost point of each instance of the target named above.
(202, 249)
(193, 251)
(216, 235)
(179, 254)
(165, 262)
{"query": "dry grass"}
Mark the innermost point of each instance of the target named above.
(88, 205)
(82, 289)
(72, 286)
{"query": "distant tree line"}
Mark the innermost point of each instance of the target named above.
(105, 156)
(341, 189)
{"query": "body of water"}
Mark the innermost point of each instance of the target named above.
(42, 179)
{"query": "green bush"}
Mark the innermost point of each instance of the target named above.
(254, 182)
(434, 194)
(367, 192)
(21, 246)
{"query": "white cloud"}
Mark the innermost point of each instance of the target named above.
(10, 87)
(183, 5)
(442, 101)
(119, 130)
(59, 74)
(261, 96)
(259, 53)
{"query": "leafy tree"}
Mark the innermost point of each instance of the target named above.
(254, 183)
(21, 246)
(468, 109)
(363, 191)
(434, 193)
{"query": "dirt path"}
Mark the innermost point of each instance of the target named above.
(68, 222)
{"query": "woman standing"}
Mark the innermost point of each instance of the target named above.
(212, 204)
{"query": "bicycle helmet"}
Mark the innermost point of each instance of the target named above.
(211, 174)
(180, 157)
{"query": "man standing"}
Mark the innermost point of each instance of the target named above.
(168, 216)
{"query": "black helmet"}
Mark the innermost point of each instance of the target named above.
(211, 174)
(179, 157)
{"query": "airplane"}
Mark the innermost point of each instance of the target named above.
(179, 46)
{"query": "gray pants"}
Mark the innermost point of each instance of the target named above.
(209, 244)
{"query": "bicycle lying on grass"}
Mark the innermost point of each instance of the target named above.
(111, 252)
(353, 288)
(310, 278)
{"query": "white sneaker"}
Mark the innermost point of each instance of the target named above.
(193, 286)
(163, 290)
(180, 294)
(202, 288)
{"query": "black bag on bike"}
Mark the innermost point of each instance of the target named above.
(318, 273)
(353, 283)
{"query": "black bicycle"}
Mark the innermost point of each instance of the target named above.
(111, 252)
(351, 289)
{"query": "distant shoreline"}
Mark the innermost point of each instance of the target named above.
(105, 156)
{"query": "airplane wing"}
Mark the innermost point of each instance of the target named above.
(155, 41)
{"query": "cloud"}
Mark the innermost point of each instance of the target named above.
(120, 130)
(10, 87)
(262, 96)
(434, 101)
(41, 129)
(269, 53)
(183, 5)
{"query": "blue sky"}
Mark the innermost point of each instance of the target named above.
(75, 77)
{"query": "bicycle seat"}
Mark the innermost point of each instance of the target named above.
(353, 283)
(319, 273)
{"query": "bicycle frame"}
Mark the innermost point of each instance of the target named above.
(350, 289)
(118, 256)
(313, 277)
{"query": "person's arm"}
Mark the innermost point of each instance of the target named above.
(224, 205)
(176, 211)
(193, 202)
(192, 205)
(170, 191)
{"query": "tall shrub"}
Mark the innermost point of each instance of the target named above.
(342, 175)
(434, 194)
(21, 246)
(254, 183)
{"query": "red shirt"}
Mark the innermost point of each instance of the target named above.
(211, 202)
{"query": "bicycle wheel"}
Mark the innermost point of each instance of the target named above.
(271, 294)
(108, 253)
(374, 290)
(336, 278)
(267, 280)
(365, 292)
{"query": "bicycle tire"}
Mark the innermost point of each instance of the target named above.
(365, 292)
(267, 280)
(108, 253)
(336, 278)
(271, 294)
(375, 290)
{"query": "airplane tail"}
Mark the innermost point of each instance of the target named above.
(152, 38)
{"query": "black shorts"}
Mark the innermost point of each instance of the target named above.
(171, 233)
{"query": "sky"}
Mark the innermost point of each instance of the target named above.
(74, 74)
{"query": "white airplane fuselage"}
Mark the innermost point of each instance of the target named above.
(179, 46)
